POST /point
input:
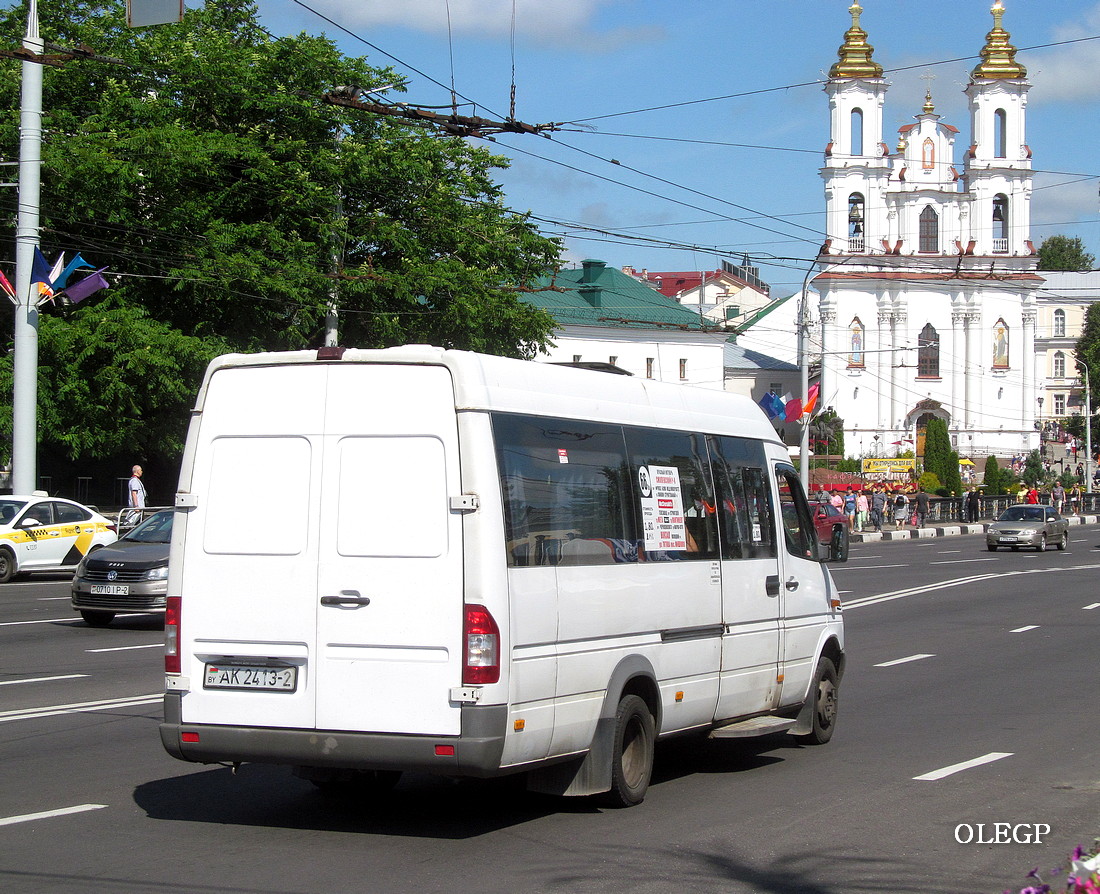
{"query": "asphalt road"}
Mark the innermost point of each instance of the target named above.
(970, 699)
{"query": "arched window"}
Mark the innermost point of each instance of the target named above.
(1000, 223)
(855, 355)
(1000, 345)
(1000, 136)
(1059, 324)
(857, 131)
(929, 230)
(928, 353)
(1059, 365)
(855, 221)
(928, 155)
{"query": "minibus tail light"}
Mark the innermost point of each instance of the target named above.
(481, 636)
(172, 636)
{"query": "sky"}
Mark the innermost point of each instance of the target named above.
(693, 131)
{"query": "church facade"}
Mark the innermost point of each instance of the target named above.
(927, 278)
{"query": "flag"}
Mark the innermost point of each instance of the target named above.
(793, 410)
(811, 397)
(75, 264)
(777, 406)
(40, 273)
(7, 286)
(89, 285)
(55, 271)
(765, 404)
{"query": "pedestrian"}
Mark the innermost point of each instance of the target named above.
(1032, 496)
(878, 507)
(1058, 497)
(973, 505)
(862, 506)
(837, 501)
(1075, 499)
(901, 509)
(822, 495)
(922, 508)
(850, 507)
(135, 495)
(1080, 474)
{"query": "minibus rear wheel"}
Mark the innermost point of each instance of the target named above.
(632, 756)
(825, 692)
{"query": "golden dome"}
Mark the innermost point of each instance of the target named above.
(998, 55)
(855, 53)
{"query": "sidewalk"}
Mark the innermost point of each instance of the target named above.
(947, 530)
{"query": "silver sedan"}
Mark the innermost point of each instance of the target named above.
(1028, 525)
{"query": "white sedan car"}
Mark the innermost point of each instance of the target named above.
(42, 533)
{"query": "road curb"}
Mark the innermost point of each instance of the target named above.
(911, 533)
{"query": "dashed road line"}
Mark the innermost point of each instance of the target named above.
(965, 765)
(80, 707)
(904, 660)
(48, 814)
(42, 679)
(1025, 629)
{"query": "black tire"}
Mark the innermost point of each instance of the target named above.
(1064, 542)
(838, 545)
(825, 692)
(1042, 547)
(97, 619)
(632, 755)
(7, 565)
(991, 547)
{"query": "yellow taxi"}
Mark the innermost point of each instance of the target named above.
(44, 533)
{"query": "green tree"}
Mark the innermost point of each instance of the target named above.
(1064, 253)
(1033, 472)
(937, 449)
(992, 477)
(206, 168)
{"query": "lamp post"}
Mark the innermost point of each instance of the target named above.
(1039, 426)
(1088, 428)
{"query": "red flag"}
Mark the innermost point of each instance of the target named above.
(794, 409)
(811, 398)
(5, 285)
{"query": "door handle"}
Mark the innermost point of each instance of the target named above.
(771, 585)
(347, 597)
(792, 584)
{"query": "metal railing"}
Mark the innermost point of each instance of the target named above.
(128, 519)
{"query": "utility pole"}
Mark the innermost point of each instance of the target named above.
(25, 349)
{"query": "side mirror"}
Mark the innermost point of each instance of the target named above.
(30, 523)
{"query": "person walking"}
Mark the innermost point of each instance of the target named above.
(922, 508)
(901, 510)
(973, 505)
(1058, 497)
(862, 506)
(878, 507)
(850, 507)
(135, 495)
(1075, 500)
(1032, 497)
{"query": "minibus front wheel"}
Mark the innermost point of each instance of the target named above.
(824, 695)
(632, 755)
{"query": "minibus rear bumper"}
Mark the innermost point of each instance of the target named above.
(476, 751)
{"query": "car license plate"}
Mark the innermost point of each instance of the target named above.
(110, 590)
(263, 677)
(1006, 539)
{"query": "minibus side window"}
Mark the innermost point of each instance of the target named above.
(679, 508)
(744, 505)
(565, 497)
(798, 528)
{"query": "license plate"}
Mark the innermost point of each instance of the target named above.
(110, 590)
(1007, 539)
(260, 677)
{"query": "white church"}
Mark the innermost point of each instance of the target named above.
(927, 280)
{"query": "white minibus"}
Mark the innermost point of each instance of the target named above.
(438, 561)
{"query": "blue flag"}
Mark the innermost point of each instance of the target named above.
(73, 265)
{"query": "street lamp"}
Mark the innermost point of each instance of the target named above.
(1088, 427)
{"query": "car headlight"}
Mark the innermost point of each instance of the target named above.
(81, 565)
(157, 573)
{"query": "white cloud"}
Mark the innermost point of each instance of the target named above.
(552, 22)
(1069, 73)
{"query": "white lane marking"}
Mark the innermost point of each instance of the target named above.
(903, 660)
(1091, 607)
(960, 561)
(1025, 629)
(965, 765)
(47, 814)
(72, 618)
(944, 552)
(127, 648)
(54, 598)
(42, 679)
(957, 582)
(872, 567)
(80, 707)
